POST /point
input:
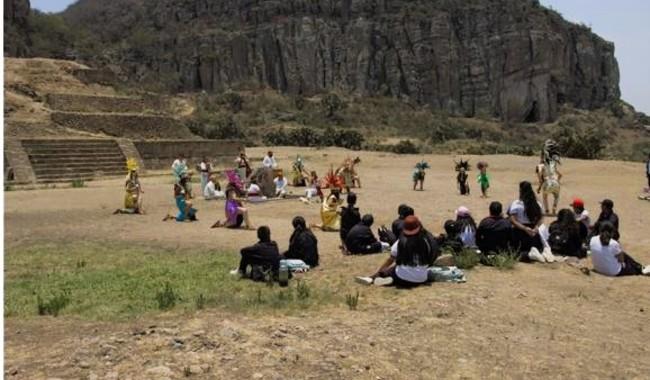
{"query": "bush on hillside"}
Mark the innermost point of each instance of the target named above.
(305, 136)
(581, 142)
(216, 127)
(405, 147)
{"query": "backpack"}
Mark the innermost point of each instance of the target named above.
(558, 239)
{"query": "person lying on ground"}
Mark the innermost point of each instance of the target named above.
(409, 260)
(183, 203)
(582, 216)
(236, 214)
(608, 258)
(564, 235)
(350, 217)
(280, 186)
(526, 217)
(494, 233)
(361, 240)
(607, 214)
(402, 212)
(213, 189)
(303, 245)
(263, 257)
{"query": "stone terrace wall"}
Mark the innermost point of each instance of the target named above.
(91, 76)
(124, 125)
(159, 155)
(89, 103)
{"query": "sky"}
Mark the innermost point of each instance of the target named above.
(624, 22)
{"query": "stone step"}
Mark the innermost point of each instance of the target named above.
(81, 166)
(75, 141)
(76, 160)
(109, 104)
(76, 151)
(52, 172)
(68, 179)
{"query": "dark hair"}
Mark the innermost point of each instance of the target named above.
(299, 223)
(264, 234)
(404, 210)
(496, 208)
(352, 199)
(367, 220)
(567, 219)
(414, 250)
(606, 232)
(532, 208)
(462, 222)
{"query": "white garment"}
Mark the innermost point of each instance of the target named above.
(584, 218)
(311, 192)
(211, 192)
(416, 274)
(603, 258)
(269, 162)
(280, 185)
(254, 190)
(518, 209)
(468, 237)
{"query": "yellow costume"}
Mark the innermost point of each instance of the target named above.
(132, 201)
(329, 214)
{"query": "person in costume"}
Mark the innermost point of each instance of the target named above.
(236, 214)
(418, 174)
(333, 181)
(243, 167)
(313, 189)
(483, 178)
(462, 168)
(133, 190)
(183, 203)
(204, 169)
(179, 167)
(299, 175)
(548, 174)
(329, 214)
(235, 183)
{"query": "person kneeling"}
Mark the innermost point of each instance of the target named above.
(410, 258)
(608, 258)
(263, 258)
(360, 239)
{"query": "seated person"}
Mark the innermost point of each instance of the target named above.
(402, 211)
(409, 260)
(350, 217)
(460, 233)
(212, 190)
(609, 259)
(582, 216)
(236, 214)
(303, 245)
(494, 233)
(183, 203)
(329, 214)
(263, 257)
(254, 192)
(564, 235)
(360, 239)
(607, 214)
(280, 186)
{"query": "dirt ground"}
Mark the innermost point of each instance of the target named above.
(536, 321)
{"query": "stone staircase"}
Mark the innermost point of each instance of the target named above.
(66, 160)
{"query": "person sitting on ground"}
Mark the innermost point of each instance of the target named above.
(350, 217)
(303, 245)
(183, 202)
(280, 186)
(254, 193)
(330, 217)
(582, 216)
(213, 189)
(494, 233)
(269, 161)
(564, 235)
(409, 260)
(263, 257)
(466, 227)
(398, 224)
(607, 214)
(608, 258)
(236, 214)
(361, 240)
(526, 217)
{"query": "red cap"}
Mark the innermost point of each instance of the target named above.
(411, 225)
(577, 202)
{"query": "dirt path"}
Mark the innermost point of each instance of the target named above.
(538, 321)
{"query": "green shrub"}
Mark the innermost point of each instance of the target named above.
(466, 259)
(581, 142)
(167, 297)
(305, 136)
(302, 290)
(352, 300)
(77, 183)
(53, 305)
(503, 260)
(405, 147)
(233, 101)
(217, 127)
(331, 104)
(200, 301)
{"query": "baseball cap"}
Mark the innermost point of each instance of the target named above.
(577, 202)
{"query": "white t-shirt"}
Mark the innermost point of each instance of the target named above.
(416, 274)
(518, 209)
(269, 162)
(203, 166)
(280, 184)
(254, 190)
(584, 218)
(604, 258)
(211, 192)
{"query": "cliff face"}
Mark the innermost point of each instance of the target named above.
(16, 13)
(512, 59)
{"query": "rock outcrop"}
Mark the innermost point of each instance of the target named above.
(16, 13)
(511, 59)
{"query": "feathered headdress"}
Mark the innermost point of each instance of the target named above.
(462, 165)
(551, 152)
(233, 178)
(298, 164)
(422, 165)
(131, 165)
(332, 180)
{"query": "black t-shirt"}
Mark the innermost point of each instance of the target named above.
(303, 245)
(494, 234)
(613, 219)
(397, 227)
(359, 237)
(350, 217)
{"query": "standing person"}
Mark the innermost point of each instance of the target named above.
(647, 170)
(494, 233)
(607, 214)
(269, 161)
(204, 168)
(183, 203)
(564, 235)
(280, 185)
(303, 245)
(419, 173)
(262, 257)
(236, 214)
(179, 167)
(551, 185)
(361, 240)
(243, 167)
(608, 258)
(409, 260)
(526, 217)
(462, 177)
(582, 216)
(350, 216)
(483, 178)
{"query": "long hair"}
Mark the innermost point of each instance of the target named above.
(462, 222)
(531, 206)
(299, 228)
(415, 250)
(567, 219)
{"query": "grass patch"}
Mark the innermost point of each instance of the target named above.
(352, 300)
(503, 260)
(109, 281)
(78, 183)
(466, 259)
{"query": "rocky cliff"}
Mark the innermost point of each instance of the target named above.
(512, 59)
(16, 39)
